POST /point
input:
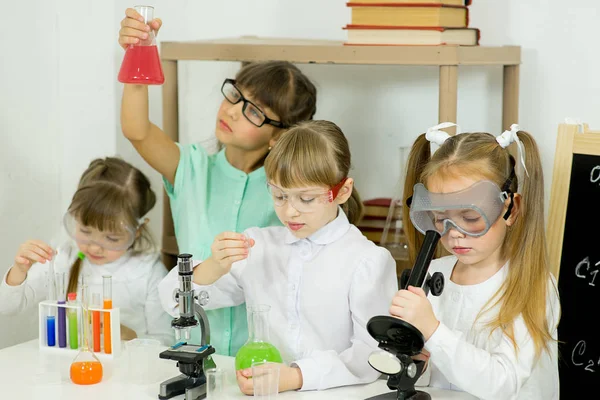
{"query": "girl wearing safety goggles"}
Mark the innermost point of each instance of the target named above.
(108, 237)
(492, 331)
(321, 276)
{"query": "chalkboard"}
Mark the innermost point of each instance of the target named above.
(575, 250)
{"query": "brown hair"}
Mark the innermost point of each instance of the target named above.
(314, 153)
(524, 246)
(112, 191)
(282, 87)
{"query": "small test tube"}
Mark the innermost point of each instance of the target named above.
(62, 319)
(96, 303)
(73, 326)
(107, 289)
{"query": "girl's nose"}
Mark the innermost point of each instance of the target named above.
(456, 234)
(95, 248)
(235, 110)
(290, 210)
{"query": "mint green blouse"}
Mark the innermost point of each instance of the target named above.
(211, 196)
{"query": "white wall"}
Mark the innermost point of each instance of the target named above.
(60, 96)
(57, 112)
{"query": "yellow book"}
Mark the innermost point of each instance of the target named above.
(407, 15)
(359, 35)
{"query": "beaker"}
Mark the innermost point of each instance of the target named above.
(392, 237)
(265, 378)
(141, 356)
(86, 368)
(257, 347)
(215, 383)
(141, 63)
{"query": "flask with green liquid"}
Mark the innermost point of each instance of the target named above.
(257, 348)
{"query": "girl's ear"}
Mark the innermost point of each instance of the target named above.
(516, 209)
(275, 136)
(345, 192)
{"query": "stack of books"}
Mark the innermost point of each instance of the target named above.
(373, 224)
(410, 22)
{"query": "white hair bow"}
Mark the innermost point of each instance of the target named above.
(508, 137)
(437, 137)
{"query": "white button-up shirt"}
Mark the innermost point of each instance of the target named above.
(322, 291)
(464, 356)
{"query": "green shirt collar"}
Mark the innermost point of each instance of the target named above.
(233, 172)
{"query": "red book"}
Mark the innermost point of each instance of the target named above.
(378, 208)
(418, 2)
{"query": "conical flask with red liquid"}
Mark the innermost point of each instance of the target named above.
(141, 64)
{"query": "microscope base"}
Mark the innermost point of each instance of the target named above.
(412, 395)
(194, 388)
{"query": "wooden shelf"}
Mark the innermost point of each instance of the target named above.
(302, 51)
(335, 52)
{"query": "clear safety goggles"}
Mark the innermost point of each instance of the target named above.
(471, 211)
(304, 201)
(115, 239)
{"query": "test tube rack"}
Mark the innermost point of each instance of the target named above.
(47, 308)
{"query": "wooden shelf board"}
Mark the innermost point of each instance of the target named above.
(335, 52)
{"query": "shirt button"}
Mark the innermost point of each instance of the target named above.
(237, 202)
(227, 334)
(294, 326)
(293, 287)
(455, 297)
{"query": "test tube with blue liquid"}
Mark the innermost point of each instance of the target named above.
(51, 318)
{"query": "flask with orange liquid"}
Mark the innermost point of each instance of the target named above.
(141, 63)
(86, 368)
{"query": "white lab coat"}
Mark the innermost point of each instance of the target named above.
(322, 291)
(135, 278)
(465, 357)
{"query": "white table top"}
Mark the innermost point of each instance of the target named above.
(28, 373)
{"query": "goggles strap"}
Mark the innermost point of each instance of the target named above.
(506, 189)
(510, 206)
(333, 192)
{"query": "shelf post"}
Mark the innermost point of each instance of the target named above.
(448, 98)
(510, 96)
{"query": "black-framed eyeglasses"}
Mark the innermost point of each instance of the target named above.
(249, 109)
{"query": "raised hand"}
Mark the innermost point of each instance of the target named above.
(133, 29)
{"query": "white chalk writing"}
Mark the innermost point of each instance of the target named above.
(584, 270)
(578, 357)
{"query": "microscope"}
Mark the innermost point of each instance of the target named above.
(399, 340)
(191, 359)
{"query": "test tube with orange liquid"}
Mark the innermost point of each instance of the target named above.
(107, 289)
(96, 326)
